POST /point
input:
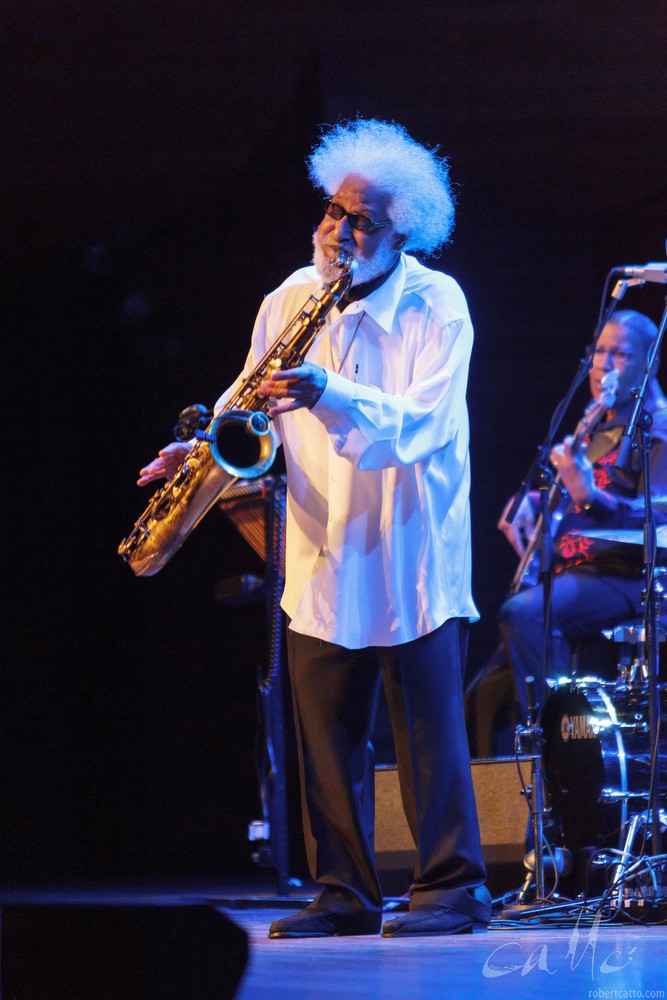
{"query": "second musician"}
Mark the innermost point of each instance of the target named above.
(597, 583)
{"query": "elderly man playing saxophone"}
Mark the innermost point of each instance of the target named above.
(374, 428)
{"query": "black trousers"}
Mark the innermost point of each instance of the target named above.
(335, 693)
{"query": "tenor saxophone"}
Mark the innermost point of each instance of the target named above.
(208, 471)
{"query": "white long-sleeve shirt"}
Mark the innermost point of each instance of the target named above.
(378, 471)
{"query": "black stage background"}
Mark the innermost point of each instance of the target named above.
(153, 190)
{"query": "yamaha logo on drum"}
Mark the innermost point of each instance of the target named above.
(576, 727)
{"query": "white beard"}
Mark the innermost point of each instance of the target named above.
(326, 254)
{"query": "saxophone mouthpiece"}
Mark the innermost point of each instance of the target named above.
(346, 261)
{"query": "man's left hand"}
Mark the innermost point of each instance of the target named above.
(293, 388)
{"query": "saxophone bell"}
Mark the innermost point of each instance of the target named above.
(242, 442)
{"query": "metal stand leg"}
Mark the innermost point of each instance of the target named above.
(643, 821)
(534, 861)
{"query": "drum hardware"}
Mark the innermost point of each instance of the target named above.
(632, 684)
(659, 503)
(639, 672)
(626, 536)
(638, 821)
(632, 664)
(654, 890)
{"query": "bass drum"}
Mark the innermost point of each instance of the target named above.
(596, 759)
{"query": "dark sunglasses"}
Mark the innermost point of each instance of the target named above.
(360, 222)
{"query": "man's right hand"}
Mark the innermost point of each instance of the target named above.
(166, 464)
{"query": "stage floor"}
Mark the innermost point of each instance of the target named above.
(512, 960)
(581, 962)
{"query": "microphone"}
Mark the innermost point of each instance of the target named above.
(655, 272)
(190, 419)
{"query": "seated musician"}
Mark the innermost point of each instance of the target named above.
(597, 583)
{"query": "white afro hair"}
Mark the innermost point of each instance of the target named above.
(415, 178)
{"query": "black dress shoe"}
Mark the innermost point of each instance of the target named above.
(432, 919)
(317, 921)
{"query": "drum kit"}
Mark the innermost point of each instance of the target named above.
(597, 760)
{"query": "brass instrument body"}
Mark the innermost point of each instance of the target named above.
(176, 508)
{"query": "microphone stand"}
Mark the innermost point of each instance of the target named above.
(541, 476)
(537, 790)
(640, 421)
(534, 793)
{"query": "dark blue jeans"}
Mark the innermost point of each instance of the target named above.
(582, 605)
